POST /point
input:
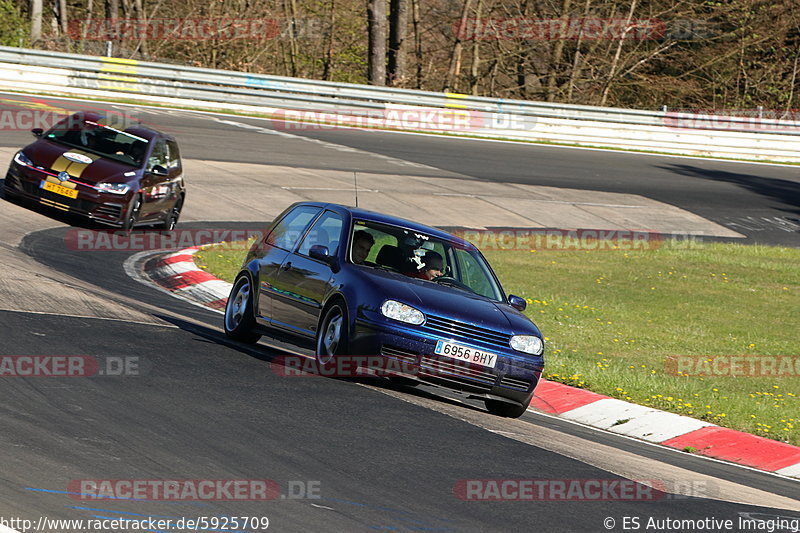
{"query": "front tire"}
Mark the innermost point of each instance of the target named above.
(333, 334)
(504, 409)
(239, 320)
(133, 214)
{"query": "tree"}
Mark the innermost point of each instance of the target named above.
(398, 32)
(36, 20)
(376, 18)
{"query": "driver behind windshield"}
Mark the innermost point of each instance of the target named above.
(432, 266)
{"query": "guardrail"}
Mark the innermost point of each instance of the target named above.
(662, 131)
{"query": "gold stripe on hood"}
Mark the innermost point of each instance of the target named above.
(74, 169)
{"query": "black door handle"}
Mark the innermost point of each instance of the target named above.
(287, 266)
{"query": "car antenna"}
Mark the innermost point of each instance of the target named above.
(355, 183)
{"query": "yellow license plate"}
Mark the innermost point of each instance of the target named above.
(59, 189)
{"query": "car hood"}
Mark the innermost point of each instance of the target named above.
(450, 302)
(50, 155)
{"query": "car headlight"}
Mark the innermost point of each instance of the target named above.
(528, 344)
(402, 312)
(23, 159)
(114, 188)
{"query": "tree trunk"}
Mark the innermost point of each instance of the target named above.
(62, 17)
(141, 18)
(577, 62)
(558, 52)
(398, 32)
(36, 20)
(615, 61)
(326, 71)
(376, 19)
(290, 8)
(455, 57)
(417, 41)
(473, 74)
(112, 12)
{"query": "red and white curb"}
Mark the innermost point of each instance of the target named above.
(178, 274)
(668, 429)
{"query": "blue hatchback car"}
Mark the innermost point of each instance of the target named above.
(350, 282)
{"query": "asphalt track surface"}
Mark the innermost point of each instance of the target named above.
(761, 201)
(207, 408)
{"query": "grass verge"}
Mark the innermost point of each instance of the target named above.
(616, 322)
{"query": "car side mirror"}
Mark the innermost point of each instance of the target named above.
(320, 253)
(37, 132)
(517, 303)
(159, 170)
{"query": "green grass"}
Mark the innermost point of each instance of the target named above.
(613, 319)
(223, 260)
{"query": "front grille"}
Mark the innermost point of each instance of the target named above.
(399, 354)
(453, 327)
(515, 383)
(441, 367)
(77, 203)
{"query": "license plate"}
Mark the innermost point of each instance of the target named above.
(59, 189)
(466, 354)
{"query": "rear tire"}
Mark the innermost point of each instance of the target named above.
(333, 334)
(504, 409)
(172, 218)
(239, 320)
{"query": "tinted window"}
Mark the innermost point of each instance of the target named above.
(159, 156)
(326, 232)
(98, 139)
(406, 251)
(173, 155)
(288, 231)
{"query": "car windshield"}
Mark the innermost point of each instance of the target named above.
(100, 139)
(422, 256)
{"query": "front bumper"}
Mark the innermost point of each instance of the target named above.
(408, 351)
(101, 207)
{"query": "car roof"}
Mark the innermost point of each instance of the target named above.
(382, 218)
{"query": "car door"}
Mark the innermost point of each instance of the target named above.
(175, 174)
(276, 247)
(155, 184)
(302, 281)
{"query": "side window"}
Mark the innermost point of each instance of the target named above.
(473, 274)
(173, 155)
(288, 231)
(159, 156)
(326, 231)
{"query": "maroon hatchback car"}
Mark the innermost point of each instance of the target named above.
(90, 164)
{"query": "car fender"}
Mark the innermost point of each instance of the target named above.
(251, 269)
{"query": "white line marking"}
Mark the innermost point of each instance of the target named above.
(44, 313)
(326, 144)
